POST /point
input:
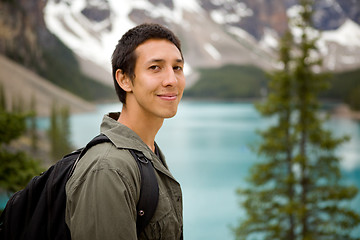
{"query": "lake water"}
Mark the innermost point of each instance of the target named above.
(207, 147)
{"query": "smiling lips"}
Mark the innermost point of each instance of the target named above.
(168, 96)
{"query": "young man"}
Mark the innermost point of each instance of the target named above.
(104, 189)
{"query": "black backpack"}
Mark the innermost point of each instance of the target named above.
(38, 211)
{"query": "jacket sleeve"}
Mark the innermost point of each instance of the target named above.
(102, 207)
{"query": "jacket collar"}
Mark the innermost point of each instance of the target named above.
(125, 138)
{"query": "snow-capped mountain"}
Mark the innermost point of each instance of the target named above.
(213, 32)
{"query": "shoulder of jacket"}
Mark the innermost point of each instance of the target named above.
(106, 157)
(107, 154)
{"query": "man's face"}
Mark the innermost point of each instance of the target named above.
(159, 79)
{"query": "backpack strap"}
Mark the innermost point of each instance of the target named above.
(149, 191)
(101, 138)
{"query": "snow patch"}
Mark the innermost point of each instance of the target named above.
(348, 59)
(241, 34)
(95, 41)
(187, 69)
(347, 35)
(172, 15)
(85, 38)
(269, 39)
(187, 5)
(214, 53)
(92, 40)
(229, 11)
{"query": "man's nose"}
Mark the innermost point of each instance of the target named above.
(170, 78)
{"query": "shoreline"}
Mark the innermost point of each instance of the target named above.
(343, 111)
(337, 109)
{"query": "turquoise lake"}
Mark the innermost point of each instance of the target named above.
(207, 147)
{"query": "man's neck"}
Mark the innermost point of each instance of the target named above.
(146, 128)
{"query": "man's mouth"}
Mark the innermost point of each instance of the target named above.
(168, 96)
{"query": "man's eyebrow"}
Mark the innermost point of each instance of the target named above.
(179, 60)
(155, 60)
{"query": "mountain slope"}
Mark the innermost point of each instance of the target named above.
(21, 85)
(213, 32)
(25, 38)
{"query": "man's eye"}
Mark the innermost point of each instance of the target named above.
(154, 67)
(178, 68)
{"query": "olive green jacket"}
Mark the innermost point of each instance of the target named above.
(103, 191)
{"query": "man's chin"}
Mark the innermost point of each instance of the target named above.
(169, 114)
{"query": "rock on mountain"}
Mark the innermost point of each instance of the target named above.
(25, 38)
(23, 31)
(213, 32)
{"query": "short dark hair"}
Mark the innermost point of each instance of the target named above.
(124, 56)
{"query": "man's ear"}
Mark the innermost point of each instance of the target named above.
(123, 80)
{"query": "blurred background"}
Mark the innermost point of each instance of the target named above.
(56, 84)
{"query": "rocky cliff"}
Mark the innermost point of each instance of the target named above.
(25, 38)
(23, 31)
(213, 32)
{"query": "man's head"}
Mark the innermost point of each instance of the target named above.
(124, 56)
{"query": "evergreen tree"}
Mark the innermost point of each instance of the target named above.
(59, 132)
(270, 204)
(17, 105)
(33, 127)
(65, 130)
(2, 98)
(295, 191)
(321, 215)
(54, 132)
(354, 98)
(16, 168)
